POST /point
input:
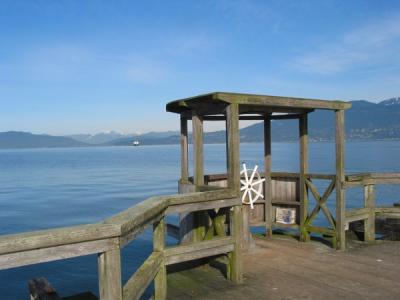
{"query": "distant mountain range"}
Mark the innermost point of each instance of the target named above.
(364, 121)
(98, 138)
(18, 140)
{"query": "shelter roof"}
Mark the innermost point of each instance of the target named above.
(215, 103)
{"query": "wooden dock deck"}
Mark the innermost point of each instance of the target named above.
(286, 269)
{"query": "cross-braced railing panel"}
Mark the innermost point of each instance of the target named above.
(321, 205)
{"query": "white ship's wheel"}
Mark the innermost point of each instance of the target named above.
(251, 186)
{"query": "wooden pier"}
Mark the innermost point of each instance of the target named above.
(215, 226)
(282, 268)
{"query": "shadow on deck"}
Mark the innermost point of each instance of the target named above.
(287, 269)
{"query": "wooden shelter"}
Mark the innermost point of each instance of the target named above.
(214, 223)
(233, 107)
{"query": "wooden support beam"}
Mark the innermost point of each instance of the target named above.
(235, 257)
(198, 165)
(388, 212)
(340, 181)
(197, 250)
(160, 280)
(233, 168)
(233, 141)
(303, 134)
(357, 214)
(41, 255)
(286, 116)
(321, 230)
(369, 203)
(138, 283)
(57, 237)
(268, 180)
(254, 117)
(321, 203)
(200, 197)
(198, 145)
(184, 150)
(223, 118)
(215, 204)
(110, 286)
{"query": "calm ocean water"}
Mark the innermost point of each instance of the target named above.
(46, 188)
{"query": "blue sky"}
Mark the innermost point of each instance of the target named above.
(88, 66)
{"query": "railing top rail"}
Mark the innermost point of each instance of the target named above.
(363, 176)
(133, 218)
(216, 177)
(130, 221)
(56, 237)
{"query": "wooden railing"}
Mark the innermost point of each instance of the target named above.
(320, 205)
(370, 211)
(107, 238)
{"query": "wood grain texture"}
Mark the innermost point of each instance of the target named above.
(268, 189)
(214, 103)
(196, 250)
(233, 150)
(160, 280)
(214, 204)
(35, 256)
(135, 219)
(110, 284)
(369, 204)
(340, 180)
(137, 284)
(56, 237)
(303, 133)
(236, 256)
(286, 269)
(198, 145)
(184, 150)
(357, 214)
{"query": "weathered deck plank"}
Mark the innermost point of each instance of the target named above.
(286, 269)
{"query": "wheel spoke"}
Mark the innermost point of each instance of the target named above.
(254, 173)
(245, 173)
(258, 193)
(244, 195)
(258, 182)
(249, 189)
(251, 200)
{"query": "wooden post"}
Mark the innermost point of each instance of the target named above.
(198, 164)
(110, 286)
(160, 281)
(268, 180)
(184, 150)
(186, 220)
(235, 257)
(340, 179)
(233, 168)
(369, 202)
(233, 149)
(303, 131)
(247, 238)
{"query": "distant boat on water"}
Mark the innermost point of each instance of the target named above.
(136, 143)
